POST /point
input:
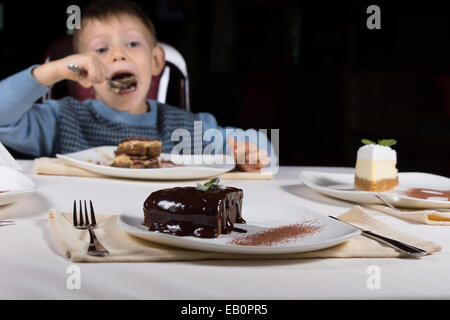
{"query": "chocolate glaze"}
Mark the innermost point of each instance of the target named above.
(186, 211)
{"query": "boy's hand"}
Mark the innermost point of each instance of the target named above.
(247, 155)
(90, 62)
(52, 72)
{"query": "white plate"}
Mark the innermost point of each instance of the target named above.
(194, 167)
(331, 183)
(258, 219)
(17, 186)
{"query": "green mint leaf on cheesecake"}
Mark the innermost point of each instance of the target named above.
(367, 141)
(381, 142)
(387, 142)
(211, 184)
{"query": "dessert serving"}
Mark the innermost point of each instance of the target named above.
(205, 211)
(376, 166)
(138, 152)
(126, 82)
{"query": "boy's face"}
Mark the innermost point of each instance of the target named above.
(125, 46)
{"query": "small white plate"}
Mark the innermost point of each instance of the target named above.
(340, 186)
(16, 185)
(193, 167)
(258, 218)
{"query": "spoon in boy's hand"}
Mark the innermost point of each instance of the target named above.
(112, 83)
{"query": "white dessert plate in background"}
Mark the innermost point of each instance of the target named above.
(258, 218)
(14, 186)
(99, 159)
(340, 186)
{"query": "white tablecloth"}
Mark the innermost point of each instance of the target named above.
(32, 267)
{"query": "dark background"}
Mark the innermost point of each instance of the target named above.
(309, 68)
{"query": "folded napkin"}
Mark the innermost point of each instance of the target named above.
(127, 248)
(7, 160)
(54, 166)
(420, 216)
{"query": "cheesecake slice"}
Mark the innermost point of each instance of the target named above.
(376, 168)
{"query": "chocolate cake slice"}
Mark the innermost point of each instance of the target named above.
(190, 211)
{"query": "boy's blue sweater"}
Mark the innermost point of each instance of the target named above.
(67, 125)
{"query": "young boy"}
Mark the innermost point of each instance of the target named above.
(115, 38)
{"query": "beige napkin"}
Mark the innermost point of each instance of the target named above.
(54, 166)
(420, 216)
(126, 248)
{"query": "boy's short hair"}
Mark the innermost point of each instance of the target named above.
(105, 9)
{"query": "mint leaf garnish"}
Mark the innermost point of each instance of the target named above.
(381, 142)
(367, 141)
(202, 187)
(387, 142)
(211, 184)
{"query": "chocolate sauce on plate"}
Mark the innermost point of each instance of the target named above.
(169, 164)
(424, 193)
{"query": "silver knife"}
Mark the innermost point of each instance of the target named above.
(400, 246)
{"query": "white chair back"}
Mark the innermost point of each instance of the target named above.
(174, 57)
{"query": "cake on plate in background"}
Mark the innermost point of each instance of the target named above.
(138, 153)
(376, 166)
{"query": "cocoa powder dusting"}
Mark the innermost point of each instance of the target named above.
(278, 235)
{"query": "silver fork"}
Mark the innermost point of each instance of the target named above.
(95, 247)
(112, 83)
(390, 205)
